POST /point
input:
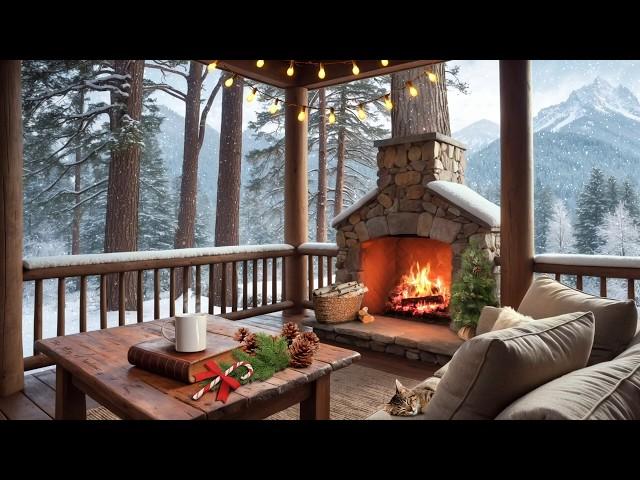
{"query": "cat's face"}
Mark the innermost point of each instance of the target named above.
(404, 403)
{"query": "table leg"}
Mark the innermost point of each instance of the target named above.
(316, 407)
(71, 402)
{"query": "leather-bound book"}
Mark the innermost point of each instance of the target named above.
(159, 356)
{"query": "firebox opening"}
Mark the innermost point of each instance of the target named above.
(408, 276)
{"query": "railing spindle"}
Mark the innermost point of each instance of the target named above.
(198, 290)
(310, 274)
(283, 276)
(37, 312)
(212, 296)
(103, 302)
(558, 277)
(320, 272)
(172, 292)
(603, 286)
(234, 286)
(631, 289)
(140, 296)
(329, 270)
(83, 303)
(579, 282)
(265, 276)
(223, 293)
(156, 293)
(274, 280)
(121, 299)
(61, 305)
(245, 285)
(255, 283)
(186, 276)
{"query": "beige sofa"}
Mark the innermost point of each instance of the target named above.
(580, 359)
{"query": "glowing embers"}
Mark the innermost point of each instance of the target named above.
(420, 293)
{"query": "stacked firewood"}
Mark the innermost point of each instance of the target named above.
(348, 289)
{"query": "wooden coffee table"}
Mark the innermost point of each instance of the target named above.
(95, 363)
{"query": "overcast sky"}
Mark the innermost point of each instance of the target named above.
(552, 80)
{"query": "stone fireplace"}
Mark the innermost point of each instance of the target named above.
(404, 239)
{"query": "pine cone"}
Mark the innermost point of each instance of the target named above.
(301, 352)
(250, 343)
(313, 339)
(241, 334)
(290, 331)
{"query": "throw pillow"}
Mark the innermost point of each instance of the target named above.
(616, 320)
(490, 371)
(509, 318)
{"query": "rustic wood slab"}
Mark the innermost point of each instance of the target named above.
(96, 363)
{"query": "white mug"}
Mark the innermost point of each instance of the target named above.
(190, 332)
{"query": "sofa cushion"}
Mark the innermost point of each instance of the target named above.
(488, 317)
(490, 371)
(605, 391)
(616, 320)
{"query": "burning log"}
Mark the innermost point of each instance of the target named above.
(349, 289)
(439, 299)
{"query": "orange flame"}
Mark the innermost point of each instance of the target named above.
(418, 283)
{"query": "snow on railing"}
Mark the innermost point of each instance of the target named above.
(318, 248)
(120, 257)
(605, 261)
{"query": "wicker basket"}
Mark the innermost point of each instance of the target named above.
(337, 309)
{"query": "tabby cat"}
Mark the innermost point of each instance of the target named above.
(408, 402)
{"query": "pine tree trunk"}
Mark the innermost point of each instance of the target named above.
(121, 229)
(229, 168)
(428, 112)
(77, 211)
(185, 232)
(321, 200)
(342, 134)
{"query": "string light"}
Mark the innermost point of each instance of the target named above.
(384, 63)
(252, 96)
(275, 106)
(332, 116)
(355, 70)
(387, 101)
(413, 91)
(433, 78)
(260, 63)
(229, 81)
(212, 66)
(362, 115)
(290, 69)
(302, 115)
(321, 72)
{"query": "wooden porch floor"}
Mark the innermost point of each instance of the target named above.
(37, 400)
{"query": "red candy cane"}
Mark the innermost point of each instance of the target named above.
(218, 379)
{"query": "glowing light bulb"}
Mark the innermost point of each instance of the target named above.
(332, 116)
(252, 96)
(413, 91)
(384, 62)
(432, 77)
(361, 113)
(275, 107)
(212, 66)
(321, 72)
(260, 63)
(387, 102)
(302, 115)
(290, 69)
(355, 70)
(229, 81)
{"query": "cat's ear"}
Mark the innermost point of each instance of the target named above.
(399, 387)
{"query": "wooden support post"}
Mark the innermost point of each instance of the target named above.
(70, 400)
(516, 197)
(316, 407)
(296, 199)
(11, 363)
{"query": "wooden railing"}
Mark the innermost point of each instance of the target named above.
(320, 259)
(260, 263)
(581, 266)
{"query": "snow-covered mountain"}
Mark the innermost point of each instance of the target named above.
(478, 134)
(598, 125)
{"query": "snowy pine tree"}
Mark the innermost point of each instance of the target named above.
(560, 234)
(630, 198)
(590, 213)
(611, 195)
(620, 234)
(542, 215)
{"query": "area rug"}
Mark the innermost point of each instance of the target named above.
(356, 393)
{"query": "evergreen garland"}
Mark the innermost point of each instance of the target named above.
(473, 289)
